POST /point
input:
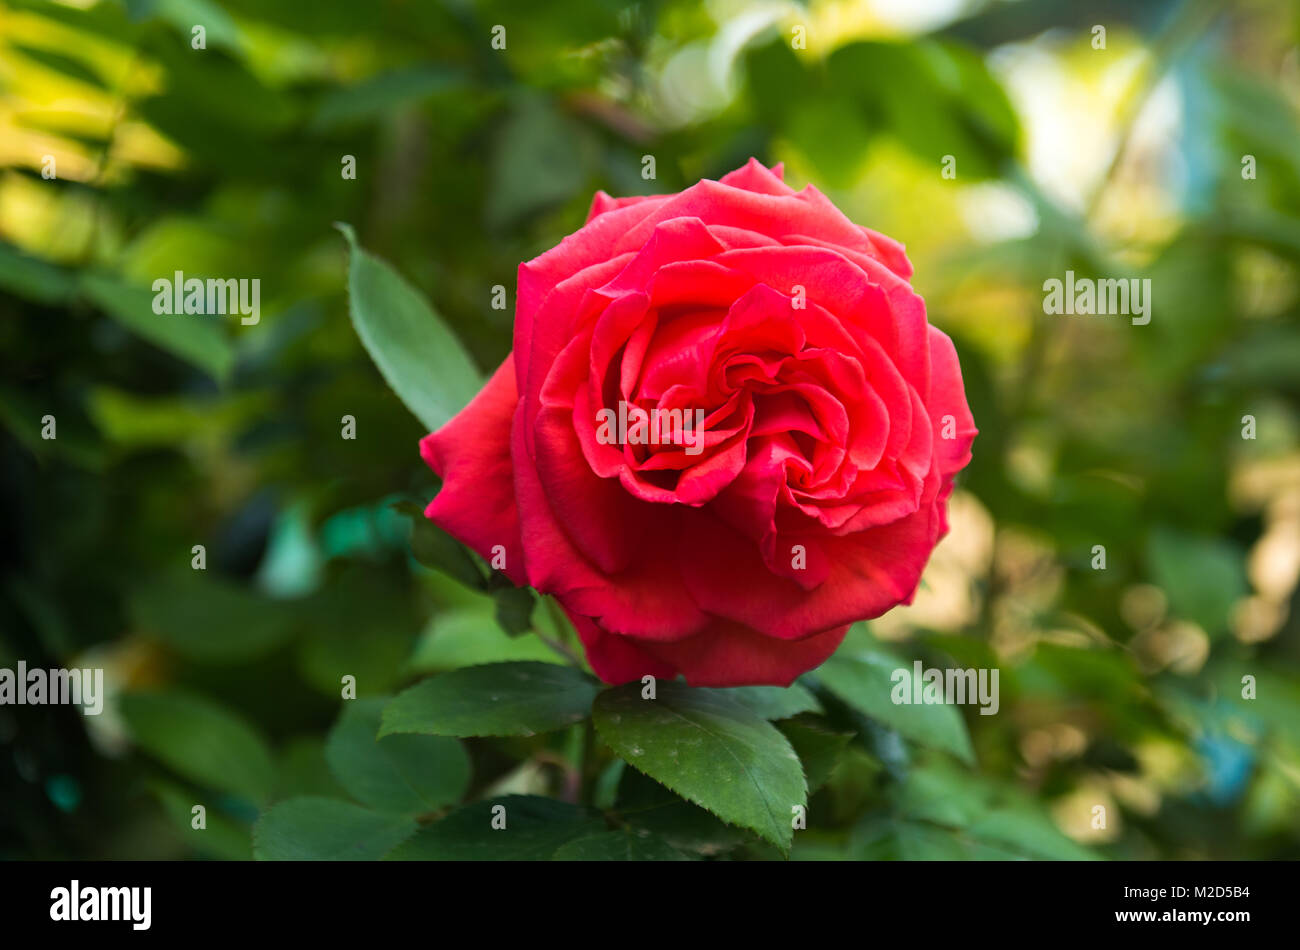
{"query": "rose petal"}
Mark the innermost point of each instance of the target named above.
(471, 453)
(729, 654)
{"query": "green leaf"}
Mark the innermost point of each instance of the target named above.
(196, 338)
(535, 828)
(711, 750)
(618, 846)
(323, 829)
(399, 774)
(861, 674)
(499, 699)
(209, 620)
(775, 702)
(201, 741)
(817, 746)
(647, 807)
(417, 354)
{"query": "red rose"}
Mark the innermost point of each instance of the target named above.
(834, 419)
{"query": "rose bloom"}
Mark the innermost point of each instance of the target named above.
(834, 421)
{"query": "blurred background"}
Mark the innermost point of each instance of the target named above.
(1002, 141)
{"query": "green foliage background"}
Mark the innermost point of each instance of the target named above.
(1119, 687)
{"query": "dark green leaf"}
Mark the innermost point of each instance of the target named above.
(534, 829)
(420, 358)
(514, 609)
(499, 699)
(619, 846)
(646, 806)
(709, 749)
(775, 702)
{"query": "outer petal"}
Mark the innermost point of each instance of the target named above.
(471, 453)
(948, 398)
(725, 654)
(869, 573)
(728, 654)
(617, 659)
(543, 330)
(602, 202)
(754, 176)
